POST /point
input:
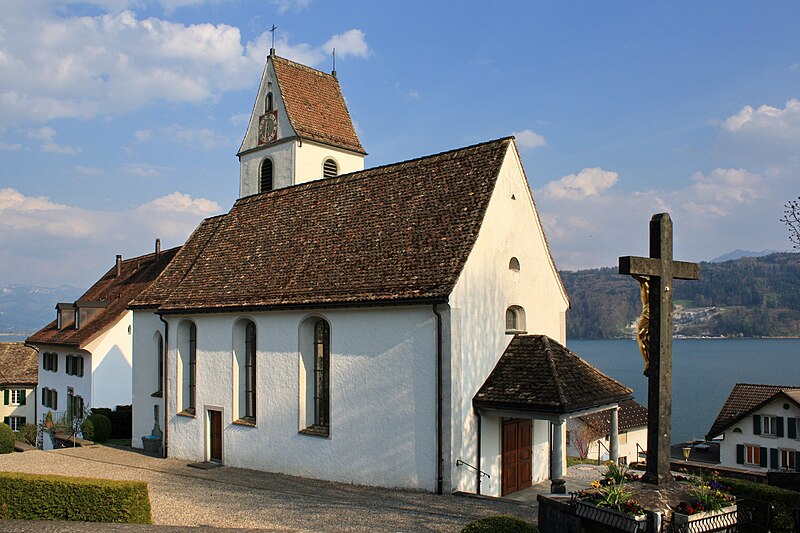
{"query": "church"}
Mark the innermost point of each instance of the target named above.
(399, 326)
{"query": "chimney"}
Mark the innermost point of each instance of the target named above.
(119, 265)
(158, 248)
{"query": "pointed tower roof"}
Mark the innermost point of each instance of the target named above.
(315, 105)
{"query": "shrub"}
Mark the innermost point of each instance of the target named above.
(499, 524)
(41, 497)
(96, 428)
(27, 434)
(121, 420)
(7, 438)
(783, 500)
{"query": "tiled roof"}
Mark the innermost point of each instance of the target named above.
(19, 364)
(315, 105)
(536, 373)
(137, 274)
(743, 400)
(631, 415)
(400, 232)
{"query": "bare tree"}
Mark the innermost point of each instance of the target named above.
(583, 438)
(791, 217)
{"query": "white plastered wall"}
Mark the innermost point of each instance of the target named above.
(485, 289)
(311, 156)
(60, 381)
(382, 397)
(146, 325)
(111, 364)
(28, 410)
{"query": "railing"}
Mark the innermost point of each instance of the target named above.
(459, 462)
(640, 452)
(600, 451)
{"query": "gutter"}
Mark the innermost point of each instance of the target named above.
(165, 445)
(439, 444)
(293, 307)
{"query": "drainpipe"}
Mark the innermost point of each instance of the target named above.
(478, 472)
(439, 450)
(165, 444)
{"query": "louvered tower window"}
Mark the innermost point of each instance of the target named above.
(329, 168)
(266, 176)
(268, 102)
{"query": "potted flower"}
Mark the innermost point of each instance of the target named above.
(709, 508)
(611, 503)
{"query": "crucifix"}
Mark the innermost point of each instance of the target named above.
(655, 274)
(272, 30)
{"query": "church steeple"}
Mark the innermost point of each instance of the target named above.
(299, 130)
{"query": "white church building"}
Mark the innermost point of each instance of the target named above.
(363, 325)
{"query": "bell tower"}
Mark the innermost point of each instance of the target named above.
(300, 130)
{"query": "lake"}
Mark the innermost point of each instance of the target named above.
(704, 372)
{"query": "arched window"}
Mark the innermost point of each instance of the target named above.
(244, 371)
(187, 351)
(268, 102)
(514, 264)
(515, 319)
(315, 347)
(329, 168)
(265, 184)
(250, 370)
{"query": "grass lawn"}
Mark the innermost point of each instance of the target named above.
(119, 442)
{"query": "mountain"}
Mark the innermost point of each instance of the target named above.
(738, 254)
(745, 297)
(26, 309)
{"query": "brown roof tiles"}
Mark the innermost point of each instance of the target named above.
(19, 364)
(315, 105)
(537, 374)
(744, 399)
(400, 232)
(137, 274)
(631, 415)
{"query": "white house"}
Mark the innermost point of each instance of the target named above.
(339, 323)
(591, 434)
(18, 365)
(757, 428)
(85, 356)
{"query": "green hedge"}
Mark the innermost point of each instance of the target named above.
(499, 524)
(7, 438)
(96, 428)
(785, 501)
(40, 497)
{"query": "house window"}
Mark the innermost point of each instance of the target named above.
(266, 175)
(75, 365)
(322, 360)
(329, 168)
(513, 264)
(515, 319)
(769, 426)
(50, 398)
(187, 351)
(752, 455)
(16, 397)
(50, 361)
(787, 459)
(268, 102)
(14, 422)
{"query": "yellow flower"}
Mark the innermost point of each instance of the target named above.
(595, 484)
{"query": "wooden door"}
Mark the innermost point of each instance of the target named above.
(517, 455)
(215, 428)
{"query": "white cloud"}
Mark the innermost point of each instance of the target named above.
(141, 171)
(85, 239)
(56, 66)
(766, 119)
(7, 146)
(723, 188)
(527, 139)
(290, 5)
(46, 135)
(587, 182)
(142, 135)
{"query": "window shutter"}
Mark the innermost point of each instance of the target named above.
(740, 454)
(22, 396)
(762, 456)
(23, 420)
(5, 396)
(791, 427)
(779, 420)
(773, 458)
(756, 425)
(44, 396)
(55, 362)
(82, 359)
(55, 400)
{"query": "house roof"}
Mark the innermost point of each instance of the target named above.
(744, 399)
(631, 415)
(315, 105)
(395, 233)
(136, 275)
(19, 364)
(536, 373)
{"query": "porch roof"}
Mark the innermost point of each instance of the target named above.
(538, 376)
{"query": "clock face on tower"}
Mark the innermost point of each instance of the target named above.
(268, 127)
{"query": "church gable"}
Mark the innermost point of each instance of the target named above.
(396, 233)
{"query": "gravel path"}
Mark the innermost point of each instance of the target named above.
(237, 498)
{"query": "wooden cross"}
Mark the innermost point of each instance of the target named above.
(660, 270)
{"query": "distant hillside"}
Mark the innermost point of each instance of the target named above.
(745, 297)
(26, 309)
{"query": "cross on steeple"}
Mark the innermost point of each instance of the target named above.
(659, 270)
(272, 30)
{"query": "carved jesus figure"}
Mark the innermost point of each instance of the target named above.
(643, 333)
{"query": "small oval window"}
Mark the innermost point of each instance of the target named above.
(514, 264)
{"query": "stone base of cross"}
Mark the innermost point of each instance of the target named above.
(659, 269)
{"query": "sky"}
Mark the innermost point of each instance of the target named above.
(120, 119)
